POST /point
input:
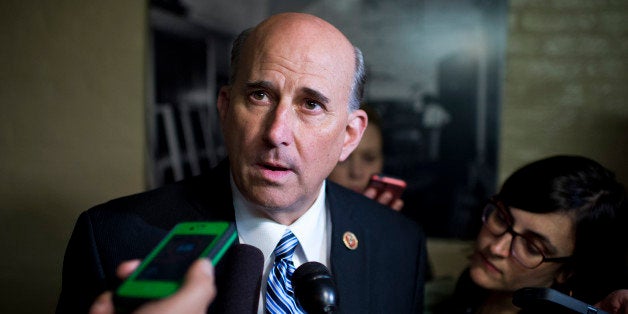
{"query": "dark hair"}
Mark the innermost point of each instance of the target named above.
(359, 77)
(585, 189)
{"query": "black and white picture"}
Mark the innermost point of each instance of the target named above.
(434, 75)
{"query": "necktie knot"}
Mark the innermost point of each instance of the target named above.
(286, 246)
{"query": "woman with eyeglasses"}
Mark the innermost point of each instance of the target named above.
(558, 222)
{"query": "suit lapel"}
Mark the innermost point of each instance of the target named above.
(211, 197)
(350, 267)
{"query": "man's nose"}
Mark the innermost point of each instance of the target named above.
(280, 123)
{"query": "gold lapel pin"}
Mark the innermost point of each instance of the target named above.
(350, 240)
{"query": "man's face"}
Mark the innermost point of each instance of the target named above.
(286, 121)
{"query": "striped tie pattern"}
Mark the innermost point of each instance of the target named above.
(279, 293)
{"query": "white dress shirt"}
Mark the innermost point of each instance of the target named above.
(313, 230)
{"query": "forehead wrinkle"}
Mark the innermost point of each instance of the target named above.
(317, 56)
(301, 67)
(302, 75)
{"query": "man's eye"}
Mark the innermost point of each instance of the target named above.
(312, 105)
(258, 95)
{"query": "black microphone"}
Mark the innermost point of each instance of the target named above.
(238, 280)
(314, 288)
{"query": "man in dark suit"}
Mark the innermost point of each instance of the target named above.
(289, 114)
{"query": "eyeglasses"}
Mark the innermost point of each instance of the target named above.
(525, 250)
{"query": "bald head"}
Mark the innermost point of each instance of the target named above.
(290, 111)
(305, 36)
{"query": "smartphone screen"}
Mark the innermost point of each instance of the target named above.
(175, 258)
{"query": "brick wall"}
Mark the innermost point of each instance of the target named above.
(566, 83)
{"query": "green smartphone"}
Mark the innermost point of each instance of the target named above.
(160, 274)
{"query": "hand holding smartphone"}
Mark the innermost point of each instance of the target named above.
(383, 183)
(160, 274)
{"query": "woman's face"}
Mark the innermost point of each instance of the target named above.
(493, 265)
(367, 159)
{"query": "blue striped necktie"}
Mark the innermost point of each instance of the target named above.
(279, 293)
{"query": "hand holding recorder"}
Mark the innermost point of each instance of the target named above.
(162, 274)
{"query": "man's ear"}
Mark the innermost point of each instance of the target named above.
(356, 125)
(222, 104)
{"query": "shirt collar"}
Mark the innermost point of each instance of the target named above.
(259, 231)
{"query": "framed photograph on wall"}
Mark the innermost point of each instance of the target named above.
(435, 71)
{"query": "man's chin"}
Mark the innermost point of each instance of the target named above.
(270, 198)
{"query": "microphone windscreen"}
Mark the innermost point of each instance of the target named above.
(314, 288)
(238, 280)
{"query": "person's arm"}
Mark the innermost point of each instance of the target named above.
(194, 296)
(615, 303)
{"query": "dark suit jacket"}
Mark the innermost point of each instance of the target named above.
(385, 274)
